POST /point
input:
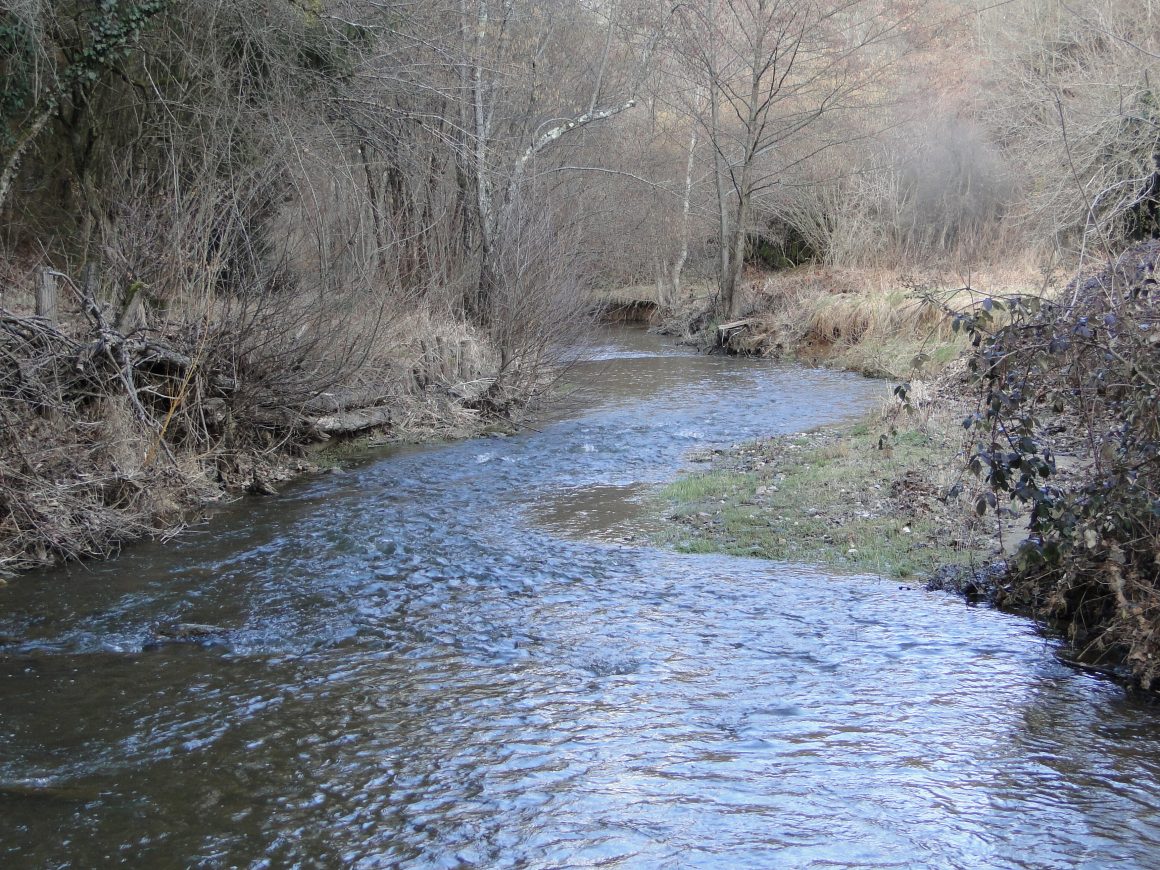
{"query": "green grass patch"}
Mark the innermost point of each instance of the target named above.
(848, 498)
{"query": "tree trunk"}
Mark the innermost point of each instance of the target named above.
(12, 164)
(664, 287)
(683, 254)
(737, 259)
(724, 271)
(380, 236)
(485, 195)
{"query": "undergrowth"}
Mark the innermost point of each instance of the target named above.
(1068, 426)
(881, 324)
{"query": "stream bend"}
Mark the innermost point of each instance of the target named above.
(437, 659)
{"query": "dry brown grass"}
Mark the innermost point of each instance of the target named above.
(873, 320)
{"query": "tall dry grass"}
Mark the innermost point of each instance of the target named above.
(881, 322)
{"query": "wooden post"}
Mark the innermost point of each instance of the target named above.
(464, 360)
(46, 296)
(133, 311)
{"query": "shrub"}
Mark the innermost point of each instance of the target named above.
(1071, 386)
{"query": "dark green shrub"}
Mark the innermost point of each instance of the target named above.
(1072, 386)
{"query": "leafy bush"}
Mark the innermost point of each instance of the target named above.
(1069, 425)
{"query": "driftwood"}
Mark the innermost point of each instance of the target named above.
(725, 331)
(151, 354)
(130, 355)
(739, 336)
(473, 391)
(44, 365)
(351, 422)
(337, 401)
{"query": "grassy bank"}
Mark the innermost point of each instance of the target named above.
(864, 497)
(881, 323)
(870, 496)
(1050, 447)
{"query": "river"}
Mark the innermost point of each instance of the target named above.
(456, 656)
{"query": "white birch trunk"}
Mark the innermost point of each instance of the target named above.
(13, 163)
(686, 202)
(483, 182)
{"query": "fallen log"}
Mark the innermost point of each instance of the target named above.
(338, 401)
(351, 422)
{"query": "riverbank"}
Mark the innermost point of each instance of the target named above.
(118, 428)
(1038, 466)
(881, 323)
(866, 497)
(871, 496)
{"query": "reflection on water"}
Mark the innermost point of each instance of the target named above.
(601, 512)
(434, 661)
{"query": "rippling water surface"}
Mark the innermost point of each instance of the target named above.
(437, 659)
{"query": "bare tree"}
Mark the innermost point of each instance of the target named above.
(1076, 107)
(527, 96)
(780, 78)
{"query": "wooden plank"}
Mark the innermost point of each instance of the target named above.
(736, 324)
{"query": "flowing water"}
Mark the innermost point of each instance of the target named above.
(443, 658)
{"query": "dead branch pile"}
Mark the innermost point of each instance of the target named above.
(110, 434)
(85, 461)
(106, 435)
